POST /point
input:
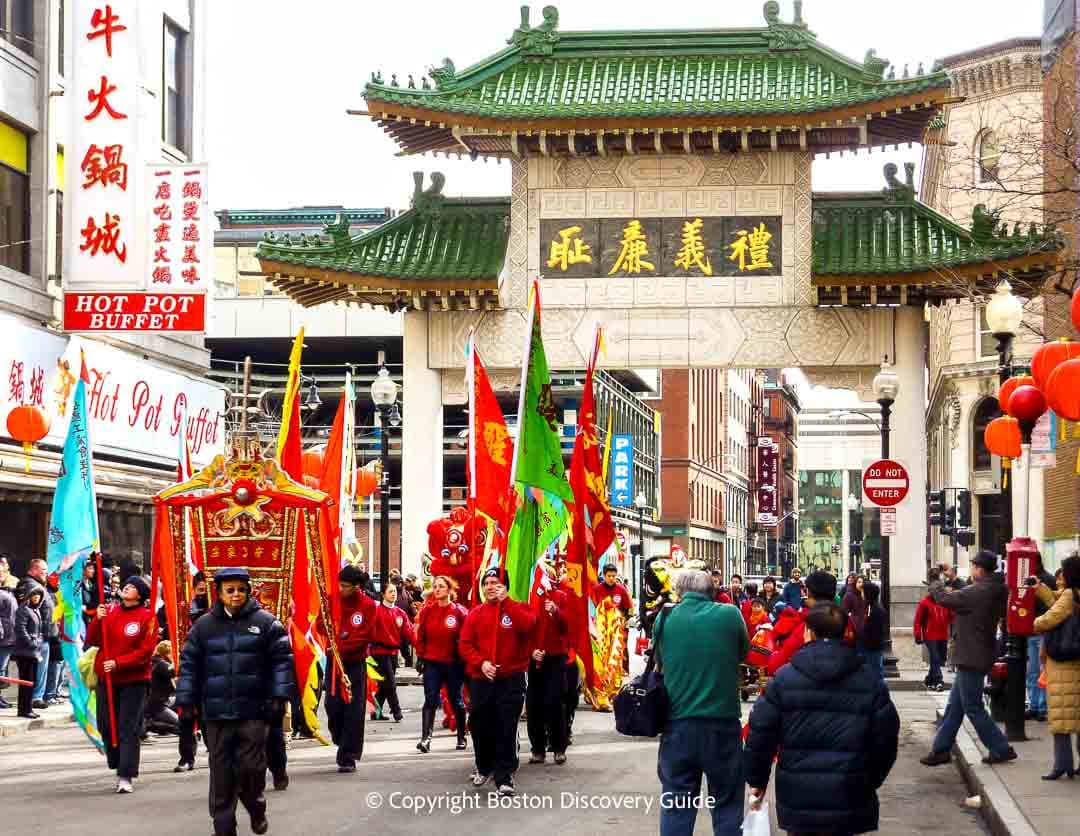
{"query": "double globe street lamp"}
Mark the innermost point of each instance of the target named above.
(384, 392)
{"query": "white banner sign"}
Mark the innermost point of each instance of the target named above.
(888, 522)
(136, 408)
(101, 153)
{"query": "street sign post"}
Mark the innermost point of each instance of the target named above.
(885, 483)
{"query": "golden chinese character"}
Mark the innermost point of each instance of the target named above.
(634, 249)
(569, 250)
(259, 552)
(495, 438)
(756, 244)
(692, 253)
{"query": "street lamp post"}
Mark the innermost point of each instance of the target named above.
(384, 394)
(853, 505)
(886, 387)
(1004, 313)
(640, 503)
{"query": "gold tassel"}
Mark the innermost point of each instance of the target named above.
(1005, 465)
(1063, 429)
(1078, 462)
(1076, 429)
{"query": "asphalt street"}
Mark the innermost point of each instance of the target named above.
(57, 784)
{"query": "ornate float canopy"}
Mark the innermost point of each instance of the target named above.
(660, 91)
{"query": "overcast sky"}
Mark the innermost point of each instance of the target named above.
(283, 73)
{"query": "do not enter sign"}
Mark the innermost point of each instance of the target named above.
(885, 483)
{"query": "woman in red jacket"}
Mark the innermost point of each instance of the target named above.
(392, 630)
(437, 630)
(932, 623)
(125, 635)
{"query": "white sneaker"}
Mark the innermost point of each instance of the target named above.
(123, 785)
(479, 779)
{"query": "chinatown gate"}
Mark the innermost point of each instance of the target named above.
(660, 186)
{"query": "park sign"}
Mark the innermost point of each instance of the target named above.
(885, 483)
(136, 250)
(622, 471)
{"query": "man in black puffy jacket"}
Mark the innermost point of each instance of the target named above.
(836, 729)
(236, 674)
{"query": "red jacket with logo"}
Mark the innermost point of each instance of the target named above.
(552, 631)
(617, 593)
(932, 621)
(357, 624)
(392, 629)
(437, 632)
(510, 652)
(131, 634)
(791, 635)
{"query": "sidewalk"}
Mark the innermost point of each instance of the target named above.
(1015, 799)
(55, 717)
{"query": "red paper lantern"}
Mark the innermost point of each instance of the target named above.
(1049, 356)
(28, 424)
(311, 463)
(366, 481)
(1027, 403)
(1075, 310)
(1010, 386)
(1063, 390)
(1002, 437)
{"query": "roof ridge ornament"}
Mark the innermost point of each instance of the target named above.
(782, 36)
(896, 191)
(432, 198)
(874, 67)
(338, 230)
(445, 75)
(542, 39)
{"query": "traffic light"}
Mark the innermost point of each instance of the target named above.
(936, 502)
(965, 537)
(948, 526)
(963, 509)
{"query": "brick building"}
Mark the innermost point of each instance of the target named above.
(781, 424)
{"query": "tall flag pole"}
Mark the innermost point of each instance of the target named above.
(592, 531)
(306, 651)
(73, 535)
(538, 476)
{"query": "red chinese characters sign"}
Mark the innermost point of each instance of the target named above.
(767, 462)
(178, 232)
(127, 247)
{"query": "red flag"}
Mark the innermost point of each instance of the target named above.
(330, 484)
(591, 530)
(491, 450)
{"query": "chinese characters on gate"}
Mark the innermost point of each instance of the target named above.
(767, 462)
(616, 247)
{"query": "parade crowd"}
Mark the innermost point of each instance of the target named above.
(823, 717)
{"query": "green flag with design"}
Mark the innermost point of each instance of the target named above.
(539, 479)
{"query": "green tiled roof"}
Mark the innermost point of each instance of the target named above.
(301, 215)
(892, 234)
(452, 244)
(780, 69)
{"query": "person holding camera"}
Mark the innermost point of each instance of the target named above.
(236, 675)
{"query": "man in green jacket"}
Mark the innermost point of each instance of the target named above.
(699, 646)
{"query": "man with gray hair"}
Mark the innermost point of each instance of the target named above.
(699, 645)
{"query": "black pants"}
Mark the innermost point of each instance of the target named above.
(237, 751)
(546, 705)
(439, 674)
(276, 758)
(187, 743)
(387, 691)
(163, 721)
(27, 667)
(129, 702)
(571, 694)
(495, 711)
(346, 720)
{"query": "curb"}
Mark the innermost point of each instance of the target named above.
(911, 685)
(999, 809)
(12, 726)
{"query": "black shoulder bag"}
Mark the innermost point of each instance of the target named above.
(642, 706)
(1063, 642)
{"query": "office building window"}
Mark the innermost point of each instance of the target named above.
(986, 345)
(985, 412)
(17, 24)
(14, 198)
(175, 98)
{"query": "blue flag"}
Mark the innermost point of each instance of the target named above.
(73, 534)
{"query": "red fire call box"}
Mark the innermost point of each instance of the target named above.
(1021, 560)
